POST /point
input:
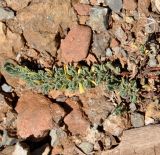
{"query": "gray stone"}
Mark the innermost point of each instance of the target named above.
(86, 147)
(137, 120)
(100, 43)
(132, 107)
(7, 140)
(108, 52)
(6, 14)
(120, 34)
(152, 62)
(98, 19)
(115, 5)
(56, 136)
(6, 88)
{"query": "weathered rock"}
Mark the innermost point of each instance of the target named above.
(97, 2)
(137, 120)
(6, 88)
(4, 107)
(96, 105)
(98, 19)
(76, 44)
(21, 148)
(9, 43)
(8, 150)
(152, 113)
(84, 1)
(139, 141)
(109, 52)
(7, 140)
(42, 22)
(6, 14)
(115, 5)
(34, 115)
(129, 5)
(16, 4)
(157, 4)
(115, 125)
(77, 123)
(86, 147)
(57, 136)
(82, 9)
(119, 33)
(143, 7)
(100, 43)
(114, 43)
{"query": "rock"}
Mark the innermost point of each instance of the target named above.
(83, 20)
(43, 150)
(97, 2)
(7, 140)
(137, 120)
(143, 7)
(95, 105)
(108, 52)
(100, 43)
(98, 19)
(130, 5)
(132, 107)
(6, 14)
(157, 4)
(114, 43)
(120, 34)
(77, 123)
(7, 150)
(9, 43)
(152, 61)
(84, 1)
(86, 147)
(115, 5)
(21, 148)
(76, 44)
(57, 136)
(44, 23)
(115, 125)
(17, 5)
(4, 107)
(6, 88)
(34, 115)
(138, 141)
(82, 9)
(152, 113)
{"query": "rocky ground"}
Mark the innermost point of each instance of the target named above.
(44, 34)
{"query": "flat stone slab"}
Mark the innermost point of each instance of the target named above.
(138, 141)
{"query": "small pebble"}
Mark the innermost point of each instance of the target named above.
(137, 120)
(6, 88)
(86, 147)
(115, 5)
(6, 14)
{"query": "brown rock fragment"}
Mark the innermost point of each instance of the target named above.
(34, 115)
(76, 122)
(76, 44)
(17, 4)
(82, 9)
(139, 141)
(129, 5)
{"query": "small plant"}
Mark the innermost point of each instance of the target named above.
(74, 78)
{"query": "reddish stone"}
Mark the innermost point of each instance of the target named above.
(82, 9)
(76, 122)
(35, 115)
(129, 5)
(114, 43)
(76, 44)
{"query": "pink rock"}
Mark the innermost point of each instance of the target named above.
(76, 44)
(82, 9)
(76, 122)
(35, 115)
